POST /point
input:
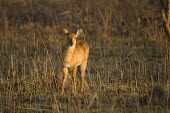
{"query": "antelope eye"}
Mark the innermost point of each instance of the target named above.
(67, 37)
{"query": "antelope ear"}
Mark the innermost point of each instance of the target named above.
(79, 32)
(65, 31)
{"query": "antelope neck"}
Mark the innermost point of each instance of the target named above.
(71, 49)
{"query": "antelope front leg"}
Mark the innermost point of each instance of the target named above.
(65, 73)
(83, 68)
(82, 80)
(74, 79)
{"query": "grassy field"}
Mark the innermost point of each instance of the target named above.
(128, 67)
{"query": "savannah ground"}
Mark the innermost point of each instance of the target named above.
(128, 66)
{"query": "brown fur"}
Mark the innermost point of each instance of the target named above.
(75, 55)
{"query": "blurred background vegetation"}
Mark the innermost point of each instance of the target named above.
(104, 18)
(128, 68)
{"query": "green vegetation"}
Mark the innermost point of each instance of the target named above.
(128, 67)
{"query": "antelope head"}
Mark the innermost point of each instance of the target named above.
(71, 37)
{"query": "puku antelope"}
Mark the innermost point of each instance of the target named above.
(76, 54)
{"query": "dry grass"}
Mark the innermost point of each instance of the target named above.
(128, 67)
